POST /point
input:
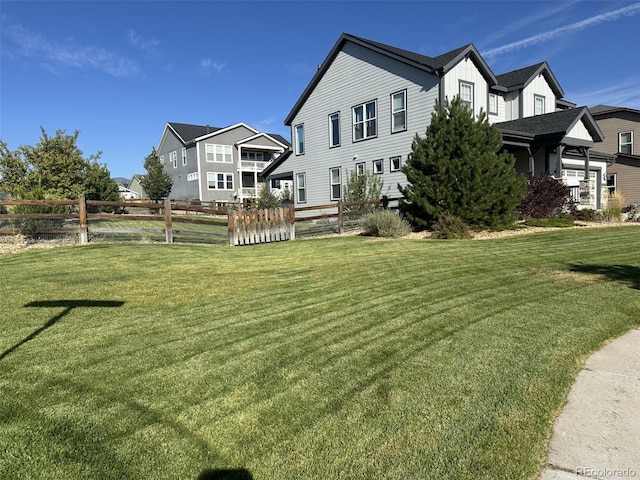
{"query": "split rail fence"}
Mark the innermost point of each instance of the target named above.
(170, 222)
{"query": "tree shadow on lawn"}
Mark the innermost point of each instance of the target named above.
(231, 474)
(629, 274)
(68, 306)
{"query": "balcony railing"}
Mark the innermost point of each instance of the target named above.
(251, 166)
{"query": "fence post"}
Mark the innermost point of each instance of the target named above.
(82, 210)
(168, 225)
(292, 222)
(231, 226)
(340, 217)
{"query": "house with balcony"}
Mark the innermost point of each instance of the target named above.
(367, 101)
(621, 127)
(217, 164)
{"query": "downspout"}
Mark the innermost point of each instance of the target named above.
(199, 172)
(240, 187)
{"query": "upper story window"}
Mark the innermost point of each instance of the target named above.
(493, 103)
(625, 143)
(466, 94)
(299, 140)
(184, 156)
(365, 121)
(218, 153)
(162, 159)
(538, 105)
(334, 129)
(252, 156)
(399, 111)
(173, 158)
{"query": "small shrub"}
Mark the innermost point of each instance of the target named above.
(634, 213)
(587, 215)
(266, 199)
(362, 188)
(614, 208)
(450, 227)
(285, 195)
(546, 197)
(556, 222)
(384, 223)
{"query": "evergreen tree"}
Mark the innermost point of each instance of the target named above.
(456, 170)
(156, 183)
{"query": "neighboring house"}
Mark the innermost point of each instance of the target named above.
(135, 186)
(217, 164)
(621, 127)
(126, 193)
(368, 100)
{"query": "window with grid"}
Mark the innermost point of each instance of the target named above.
(466, 94)
(399, 111)
(365, 121)
(625, 143)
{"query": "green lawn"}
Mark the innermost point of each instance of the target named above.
(349, 358)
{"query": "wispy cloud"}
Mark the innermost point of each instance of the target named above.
(54, 56)
(207, 66)
(627, 11)
(149, 46)
(625, 93)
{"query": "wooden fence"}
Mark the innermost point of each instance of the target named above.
(186, 220)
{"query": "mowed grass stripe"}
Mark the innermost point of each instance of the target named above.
(346, 357)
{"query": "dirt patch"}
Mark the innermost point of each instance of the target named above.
(16, 243)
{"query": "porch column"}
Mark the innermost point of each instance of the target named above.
(255, 180)
(240, 186)
(586, 163)
(532, 169)
(559, 164)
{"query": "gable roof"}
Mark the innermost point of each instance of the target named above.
(553, 124)
(434, 65)
(606, 109)
(187, 132)
(522, 77)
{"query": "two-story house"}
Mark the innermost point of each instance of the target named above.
(213, 164)
(621, 126)
(367, 101)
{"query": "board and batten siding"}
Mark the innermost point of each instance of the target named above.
(467, 71)
(358, 75)
(538, 86)
(580, 131)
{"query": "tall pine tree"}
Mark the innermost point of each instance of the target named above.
(456, 169)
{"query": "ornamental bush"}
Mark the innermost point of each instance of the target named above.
(546, 197)
(385, 223)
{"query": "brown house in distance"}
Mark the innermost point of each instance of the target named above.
(621, 127)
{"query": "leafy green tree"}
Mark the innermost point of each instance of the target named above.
(156, 183)
(458, 169)
(54, 168)
(362, 187)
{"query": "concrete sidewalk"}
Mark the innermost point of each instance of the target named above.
(597, 434)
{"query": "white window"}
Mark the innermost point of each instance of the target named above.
(184, 156)
(493, 103)
(299, 129)
(395, 163)
(301, 187)
(219, 181)
(334, 130)
(377, 166)
(364, 121)
(399, 111)
(173, 158)
(466, 94)
(625, 143)
(218, 153)
(360, 169)
(192, 176)
(336, 183)
(253, 156)
(538, 105)
(162, 159)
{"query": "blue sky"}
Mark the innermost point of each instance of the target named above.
(118, 71)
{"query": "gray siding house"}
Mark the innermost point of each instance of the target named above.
(367, 101)
(213, 164)
(621, 127)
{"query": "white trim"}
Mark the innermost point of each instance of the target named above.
(224, 180)
(224, 130)
(265, 135)
(183, 154)
(630, 132)
(259, 147)
(199, 171)
(332, 197)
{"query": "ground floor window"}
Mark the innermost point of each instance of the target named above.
(219, 181)
(301, 187)
(611, 183)
(336, 183)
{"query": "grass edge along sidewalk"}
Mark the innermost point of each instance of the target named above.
(333, 358)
